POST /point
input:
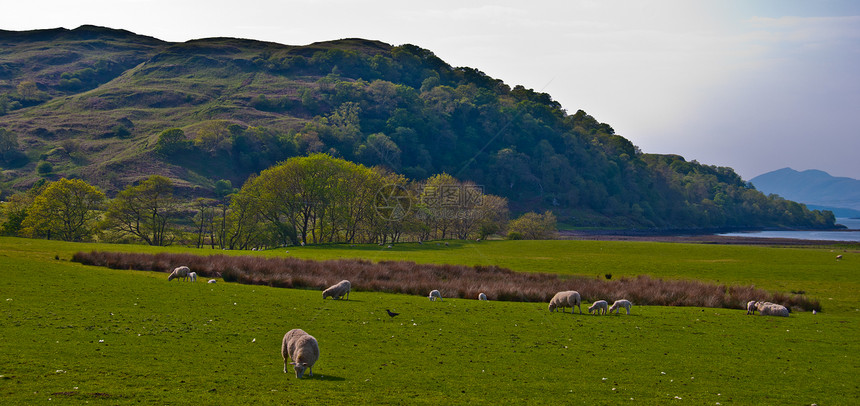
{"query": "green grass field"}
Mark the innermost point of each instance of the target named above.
(76, 334)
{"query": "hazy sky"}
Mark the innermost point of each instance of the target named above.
(749, 84)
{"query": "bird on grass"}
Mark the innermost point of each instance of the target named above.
(390, 313)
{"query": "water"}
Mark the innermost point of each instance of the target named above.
(852, 235)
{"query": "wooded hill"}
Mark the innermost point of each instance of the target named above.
(112, 107)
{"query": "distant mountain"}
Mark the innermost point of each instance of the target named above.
(817, 189)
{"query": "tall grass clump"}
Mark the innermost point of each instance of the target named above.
(456, 281)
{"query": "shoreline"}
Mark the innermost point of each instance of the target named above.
(697, 239)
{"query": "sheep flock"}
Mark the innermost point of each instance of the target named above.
(301, 350)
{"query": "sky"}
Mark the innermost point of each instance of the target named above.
(755, 85)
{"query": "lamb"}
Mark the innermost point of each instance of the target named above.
(751, 307)
(568, 298)
(179, 272)
(302, 348)
(772, 309)
(193, 276)
(434, 294)
(599, 307)
(619, 304)
(482, 296)
(338, 290)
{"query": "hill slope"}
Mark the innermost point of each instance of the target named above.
(93, 102)
(813, 187)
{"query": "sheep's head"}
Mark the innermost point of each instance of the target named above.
(551, 307)
(171, 276)
(300, 368)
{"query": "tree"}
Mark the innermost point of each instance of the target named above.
(172, 141)
(204, 220)
(146, 211)
(8, 142)
(439, 203)
(492, 215)
(533, 226)
(67, 209)
(44, 168)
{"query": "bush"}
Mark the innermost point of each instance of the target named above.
(456, 281)
(533, 226)
(44, 168)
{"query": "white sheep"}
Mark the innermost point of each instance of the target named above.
(302, 348)
(599, 307)
(179, 272)
(568, 298)
(193, 276)
(619, 304)
(772, 309)
(751, 307)
(338, 290)
(434, 294)
(482, 296)
(211, 281)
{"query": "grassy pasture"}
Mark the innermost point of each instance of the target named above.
(76, 334)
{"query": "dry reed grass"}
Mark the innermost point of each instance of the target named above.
(457, 281)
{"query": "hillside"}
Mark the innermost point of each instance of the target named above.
(814, 188)
(98, 104)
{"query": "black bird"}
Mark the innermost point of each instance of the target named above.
(390, 313)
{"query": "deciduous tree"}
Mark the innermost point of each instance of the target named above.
(146, 211)
(66, 209)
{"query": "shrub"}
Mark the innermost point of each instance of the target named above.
(457, 281)
(533, 226)
(44, 168)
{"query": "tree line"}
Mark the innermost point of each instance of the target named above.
(304, 200)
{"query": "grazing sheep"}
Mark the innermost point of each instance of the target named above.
(599, 307)
(193, 276)
(751, 307)
(619, 304)
(211, 281)
(179, 272)
(302, 348)
(568, 298)
(772, 309)
(839, 256)
(338, 291)
(482, 296)
(434, 294)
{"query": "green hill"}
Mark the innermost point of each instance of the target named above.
(92, 102)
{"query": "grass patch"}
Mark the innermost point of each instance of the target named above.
(74, 333)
